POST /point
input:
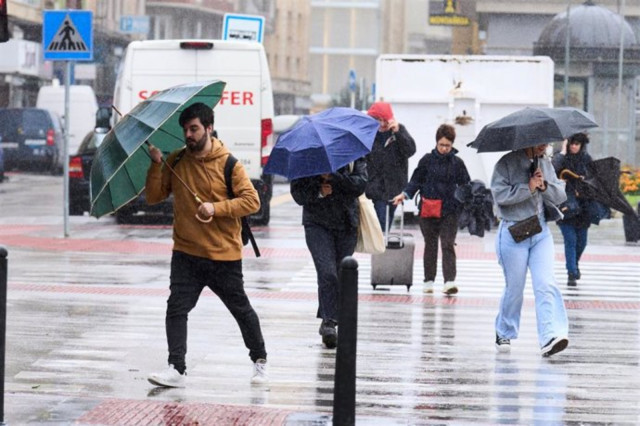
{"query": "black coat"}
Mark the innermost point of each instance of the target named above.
(338, 210)
(388, 167)
(577, 163)
(437, 177)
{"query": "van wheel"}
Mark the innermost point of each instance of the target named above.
(123, 217)
(75, 210)
(263, 215)
(57, 170)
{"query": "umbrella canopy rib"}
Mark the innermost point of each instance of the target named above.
(119, 170)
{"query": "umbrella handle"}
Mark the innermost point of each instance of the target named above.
(199, 201)
(209, 219)
(568, 172)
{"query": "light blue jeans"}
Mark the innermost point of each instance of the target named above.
(537, 255)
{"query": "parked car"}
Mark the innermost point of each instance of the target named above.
(79, 187)
(32, 139)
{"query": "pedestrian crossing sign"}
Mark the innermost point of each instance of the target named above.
(67, 35)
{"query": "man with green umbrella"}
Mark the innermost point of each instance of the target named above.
(207, 249)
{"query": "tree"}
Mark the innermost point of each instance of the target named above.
(343, 98)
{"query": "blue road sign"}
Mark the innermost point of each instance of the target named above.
(352, 80)
(132, 24)
(243, 27)
(67, 35)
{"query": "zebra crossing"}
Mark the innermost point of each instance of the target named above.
(84, 337)
(603, 281)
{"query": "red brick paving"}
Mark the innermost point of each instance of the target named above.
(20, 238)
(133, 412)
(297, 295)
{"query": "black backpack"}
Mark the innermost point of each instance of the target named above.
(247, 235)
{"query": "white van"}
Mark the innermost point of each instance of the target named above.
(243, 117)
(83, 106)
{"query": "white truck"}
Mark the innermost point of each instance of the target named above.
(467, 92)
(243, 117)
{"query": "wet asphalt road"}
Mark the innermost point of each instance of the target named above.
(86, 324)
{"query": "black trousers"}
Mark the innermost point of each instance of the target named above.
(189, 276)
(444, 229)
(328, 247)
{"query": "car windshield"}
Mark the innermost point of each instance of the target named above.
(27, 122)
(92, 141)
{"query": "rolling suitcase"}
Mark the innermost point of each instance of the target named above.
(395, 265)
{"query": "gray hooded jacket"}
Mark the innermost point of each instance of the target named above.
(510, 187)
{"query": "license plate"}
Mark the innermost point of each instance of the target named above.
(38, 152)
(9, 145)
(35, 142)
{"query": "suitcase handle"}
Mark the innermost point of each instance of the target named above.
(388, 222)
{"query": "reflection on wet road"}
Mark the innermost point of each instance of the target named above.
(86, 325)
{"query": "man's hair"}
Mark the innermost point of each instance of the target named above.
(446, 131)
(197, 110)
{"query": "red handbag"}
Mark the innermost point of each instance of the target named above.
(431, 208)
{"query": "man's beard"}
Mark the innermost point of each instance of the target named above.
(197, 146)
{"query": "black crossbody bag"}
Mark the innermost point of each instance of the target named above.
(530, 226)
(526, 228)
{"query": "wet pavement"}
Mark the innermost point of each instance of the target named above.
(86, 325)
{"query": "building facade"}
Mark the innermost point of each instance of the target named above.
(287, 47)
(346, 37)
(22, 67)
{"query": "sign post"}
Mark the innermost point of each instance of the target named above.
(67, 35)
(352, 87)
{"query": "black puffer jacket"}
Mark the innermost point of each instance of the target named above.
(388, 167)
(437, 177)
(577, 163)
(340, 209)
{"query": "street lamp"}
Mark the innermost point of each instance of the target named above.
(566, 55)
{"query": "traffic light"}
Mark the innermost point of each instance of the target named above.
(4, 22)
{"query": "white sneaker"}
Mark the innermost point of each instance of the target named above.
(169, 378)
(428, 287)
(260, 372)
(450, 288)
(502, 344)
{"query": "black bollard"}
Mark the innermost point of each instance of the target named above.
(3, 324)
(344, 394)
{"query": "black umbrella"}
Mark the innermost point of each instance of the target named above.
(602, 184)
(477, 207)
(530, 127)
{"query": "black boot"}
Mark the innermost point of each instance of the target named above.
(571, 282)
(329, 333)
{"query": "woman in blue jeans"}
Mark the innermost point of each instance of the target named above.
(522, 182)
(330, 217)
(576, 222)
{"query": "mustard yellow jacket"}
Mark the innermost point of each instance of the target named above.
(220, 239)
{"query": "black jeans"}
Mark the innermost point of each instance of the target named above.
(445, 229)
(328, 247)
(189, 276)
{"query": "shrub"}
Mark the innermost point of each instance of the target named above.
(630, 180)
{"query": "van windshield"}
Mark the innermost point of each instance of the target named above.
(27, 122)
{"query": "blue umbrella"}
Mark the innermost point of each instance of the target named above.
(322, 143)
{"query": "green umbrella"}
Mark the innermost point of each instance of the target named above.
(119, 169)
